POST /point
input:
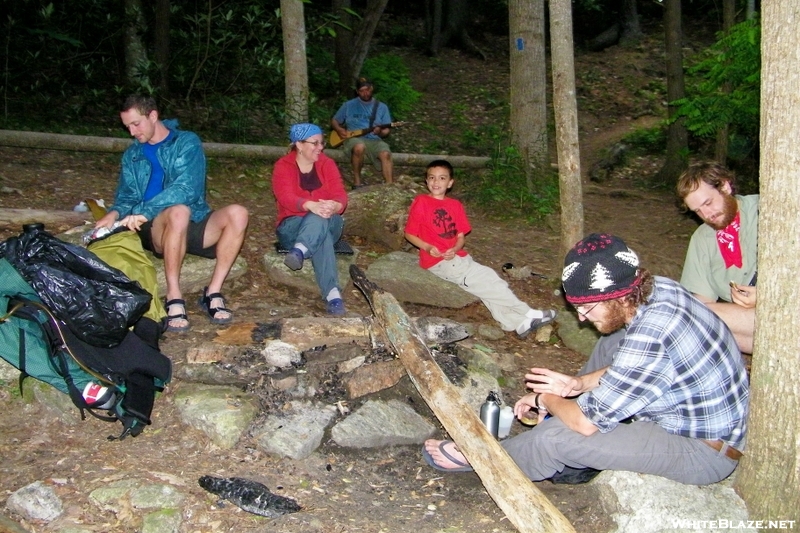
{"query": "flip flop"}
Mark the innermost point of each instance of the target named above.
(464, 467)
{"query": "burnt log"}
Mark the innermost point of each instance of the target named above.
(527, 508)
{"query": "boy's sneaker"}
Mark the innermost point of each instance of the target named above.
(98, 397)
(336, 307)
(526, 328)
(294, 259)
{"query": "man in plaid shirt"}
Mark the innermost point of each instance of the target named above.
(665, 391)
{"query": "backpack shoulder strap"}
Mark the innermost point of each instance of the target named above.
(374, 114)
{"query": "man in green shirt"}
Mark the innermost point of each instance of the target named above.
(720, 265)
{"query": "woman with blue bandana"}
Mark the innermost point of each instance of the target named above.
(311, 198)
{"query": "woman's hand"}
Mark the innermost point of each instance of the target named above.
(323, 208)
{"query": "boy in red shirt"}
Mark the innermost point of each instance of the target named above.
(437, 225)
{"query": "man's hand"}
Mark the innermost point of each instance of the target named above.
(743, 295)
(543, 380)
(107, 221)
(525, 404)
(133, 222)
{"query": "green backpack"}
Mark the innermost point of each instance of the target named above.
(40, 346)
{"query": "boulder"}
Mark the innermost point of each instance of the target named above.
(378, 213)
(400, 274)
(304, 279)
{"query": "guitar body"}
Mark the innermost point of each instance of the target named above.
(335, 140)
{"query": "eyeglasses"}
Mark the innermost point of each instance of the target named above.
(585, 314)
(315, 143)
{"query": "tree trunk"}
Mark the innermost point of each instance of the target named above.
(296, 68)
(352, 46)
(721, 148)
(566, 114)
(525, 506)
(343, 46)
(135, 51)
(630, 31)
(770, 470)
(677, 137)
(162, 45)
(449, 21)
(528, 85)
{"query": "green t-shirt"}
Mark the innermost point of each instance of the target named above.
(704, 271)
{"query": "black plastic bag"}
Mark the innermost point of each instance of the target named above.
(97, 302)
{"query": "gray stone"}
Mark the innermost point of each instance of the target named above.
(348, 366)
(400, 274)
(576, 335)
(50, 400)
(304, 278)
(378, 423)
(222, 413)
(162, 521)
(476, 387)
(156, 496)
(297, 434)
(641, 503)
(436, 330)
(490, 332)
(36, 501)
(111, 496)
(479, 360)
(8, 374)
(281, 354)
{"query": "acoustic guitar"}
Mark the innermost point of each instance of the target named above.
(335, 141)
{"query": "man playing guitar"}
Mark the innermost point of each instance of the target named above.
(367, 114)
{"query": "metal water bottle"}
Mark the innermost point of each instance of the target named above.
(490, 413)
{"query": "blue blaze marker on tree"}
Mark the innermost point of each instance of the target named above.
(520, 44)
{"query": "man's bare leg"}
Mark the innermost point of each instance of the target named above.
(226, 228)
(740, 320)
(169, 239)
(386, 166)
(357, 160)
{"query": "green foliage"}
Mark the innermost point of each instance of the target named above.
(647, 140)
(735, 59)
(392, 83)
(503, 191)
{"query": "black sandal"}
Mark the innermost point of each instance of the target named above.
(205, 303)
(180, 316)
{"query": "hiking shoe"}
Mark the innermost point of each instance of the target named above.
(294, 259)
(536, 323)
(98, 397)
(336, 307)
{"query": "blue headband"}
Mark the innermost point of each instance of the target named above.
(301, 132)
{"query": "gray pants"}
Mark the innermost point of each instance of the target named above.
(318, 235)
(483, 282)
(642, 447)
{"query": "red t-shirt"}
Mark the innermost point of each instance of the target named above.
(437, 222)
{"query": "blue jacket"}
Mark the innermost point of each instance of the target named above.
(184, 165)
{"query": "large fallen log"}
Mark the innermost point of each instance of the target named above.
(54, 221)
(525, 506)
(88, 143)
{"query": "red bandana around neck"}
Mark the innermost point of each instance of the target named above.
(728, 242)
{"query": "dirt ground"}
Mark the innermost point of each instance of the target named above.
(373, 490)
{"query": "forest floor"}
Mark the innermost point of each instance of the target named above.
(343, 490)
